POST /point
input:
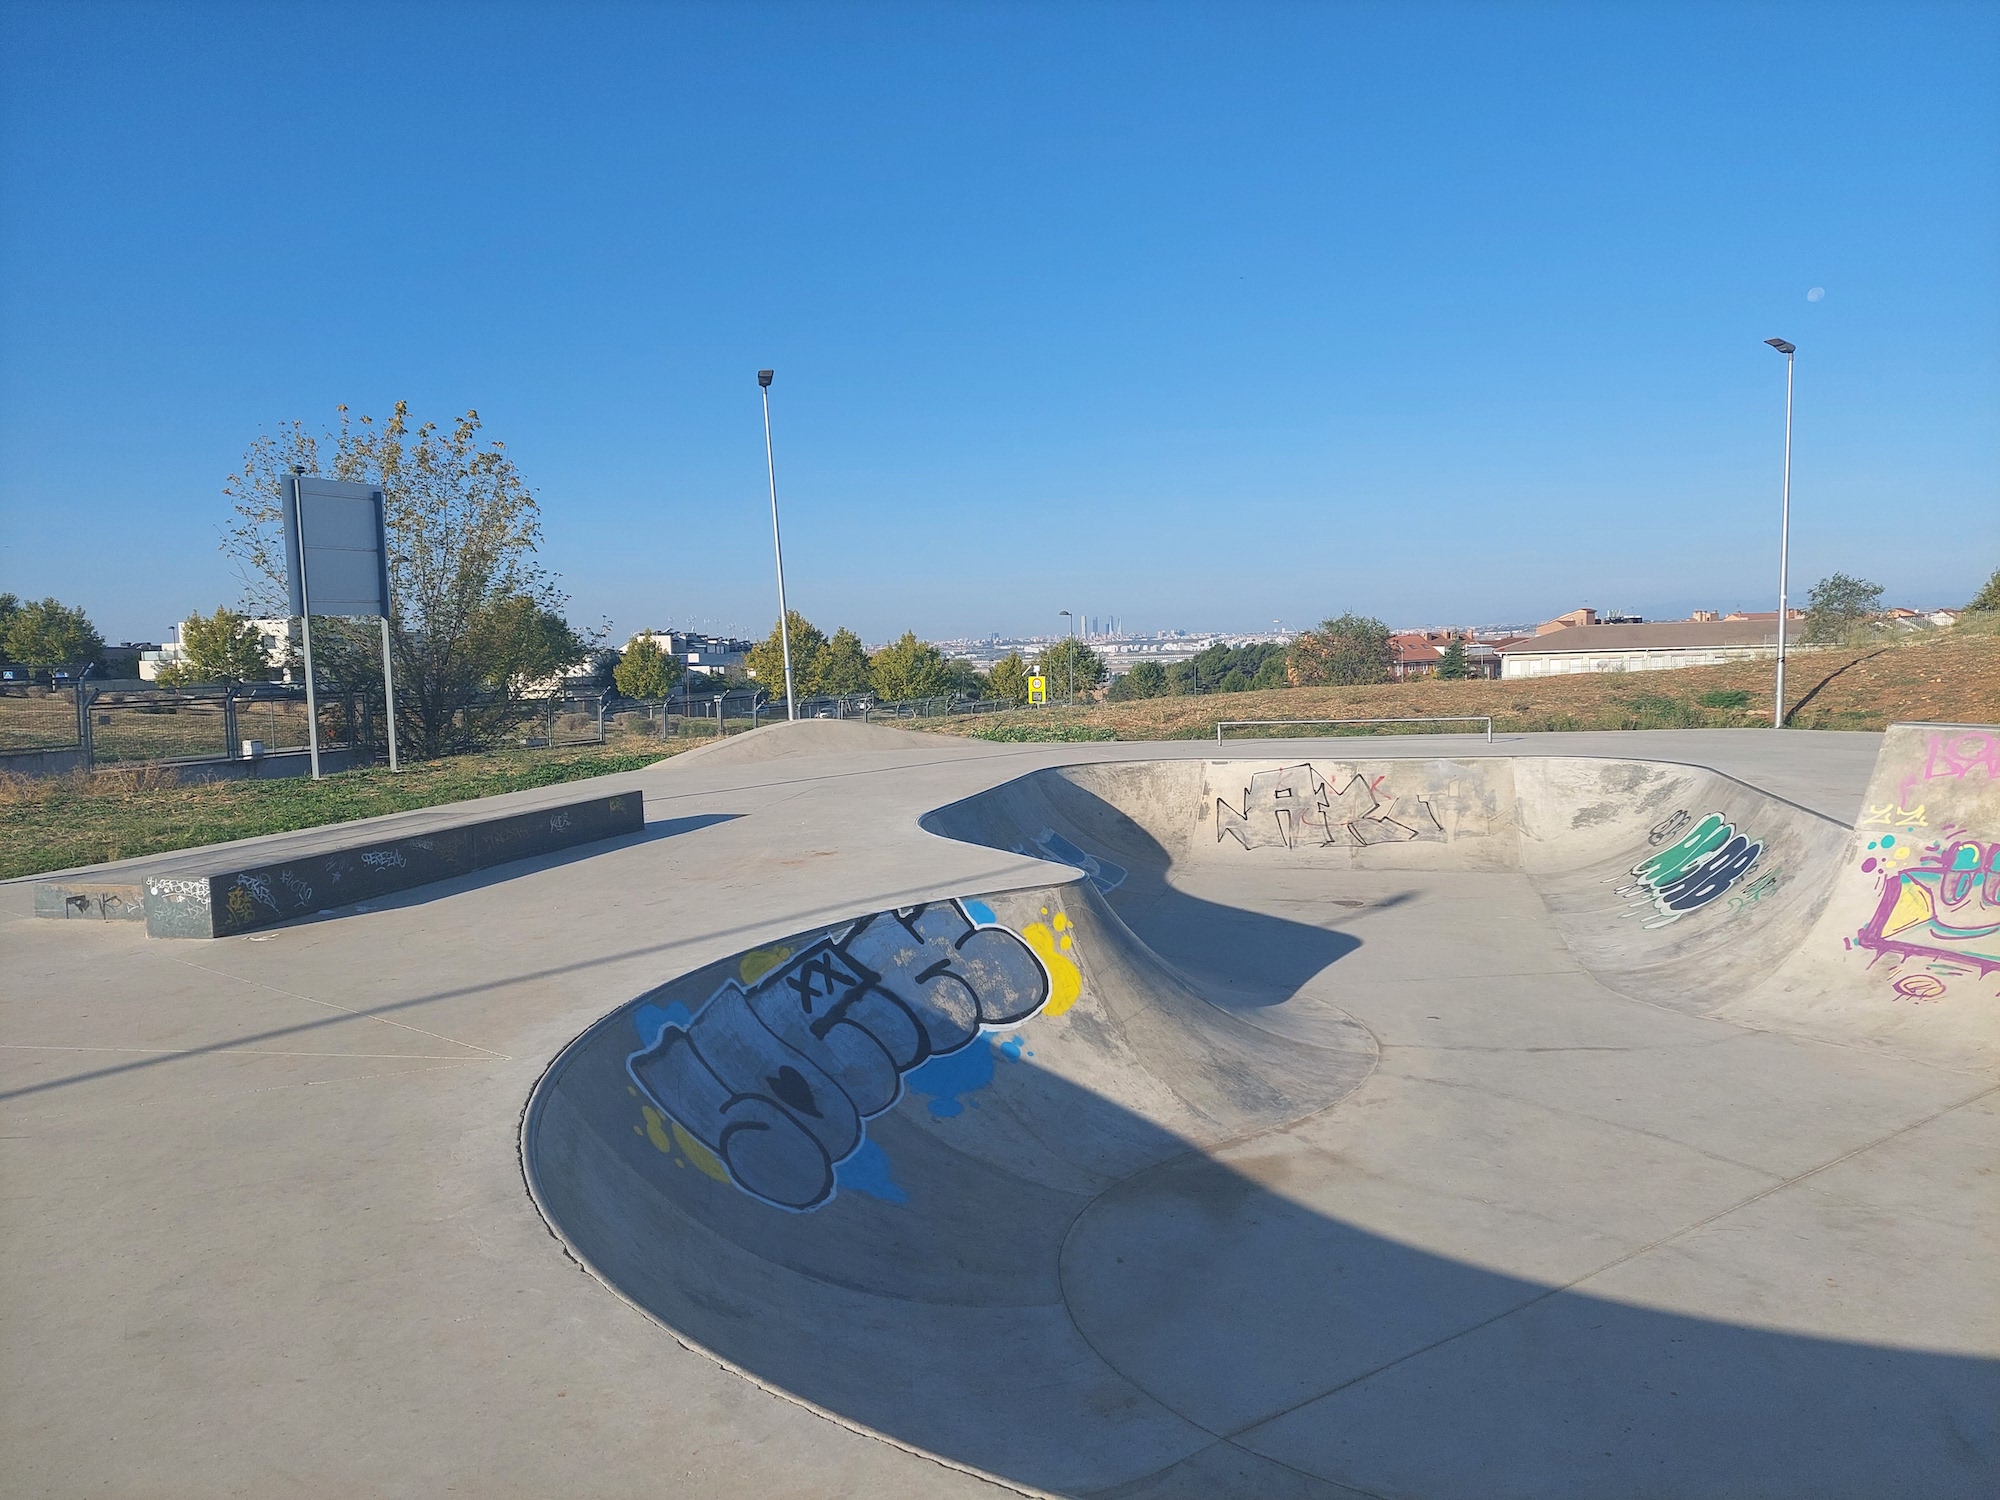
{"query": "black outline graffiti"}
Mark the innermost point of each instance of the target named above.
(779, 1078)
(1315, 812)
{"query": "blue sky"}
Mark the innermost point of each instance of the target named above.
(1196, 315)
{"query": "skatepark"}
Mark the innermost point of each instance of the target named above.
(893, 1114)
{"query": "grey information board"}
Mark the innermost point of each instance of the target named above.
(336, 547)
(337, 563)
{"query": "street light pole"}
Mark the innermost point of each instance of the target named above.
(1784, 530)
(1070, 699)
(778, 547)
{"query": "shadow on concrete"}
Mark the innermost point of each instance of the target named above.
(1270, 958)
(1177, 1328)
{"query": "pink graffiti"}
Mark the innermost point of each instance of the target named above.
(1956, 756)
(1943, 908)
(1959, 755)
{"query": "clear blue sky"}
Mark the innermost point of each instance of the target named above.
(1196, 315)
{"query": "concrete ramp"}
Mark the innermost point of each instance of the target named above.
(1330, 1126)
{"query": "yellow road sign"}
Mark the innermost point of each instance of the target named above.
(1038, 689)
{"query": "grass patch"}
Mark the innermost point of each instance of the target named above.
(1725, 698)
(58, 822)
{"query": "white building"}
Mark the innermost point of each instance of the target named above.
(1650, 647)
(707, 655)
(278, 637)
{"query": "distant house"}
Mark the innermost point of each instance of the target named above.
(1420, 653)
(1565, 646)
(705, 655)
(1416, 655)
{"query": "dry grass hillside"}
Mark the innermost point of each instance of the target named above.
(1946, 677)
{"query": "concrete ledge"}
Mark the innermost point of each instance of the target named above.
(201, 899)
(59, 761)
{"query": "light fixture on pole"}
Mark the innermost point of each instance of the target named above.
(778, 546)
(1784, 530)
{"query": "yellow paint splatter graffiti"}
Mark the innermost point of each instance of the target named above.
(1052, 941)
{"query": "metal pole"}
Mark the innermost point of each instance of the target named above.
(778, 547)
(305, 622)
(389, 693)
(1784, 545)
(1785, 535)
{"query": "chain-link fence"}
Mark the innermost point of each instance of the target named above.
(691, 715)
(938, 708)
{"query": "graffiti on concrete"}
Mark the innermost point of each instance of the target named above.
(1691, 872)
(1889, 815)
(1754, 891)
(1297, 805)
(1103, 874)
(1937, 912)
(1668, 827)
(776, 1076)
(1955, 755)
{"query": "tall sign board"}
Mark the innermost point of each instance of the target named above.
(337, 563)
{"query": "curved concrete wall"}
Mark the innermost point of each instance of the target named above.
(897, 1167)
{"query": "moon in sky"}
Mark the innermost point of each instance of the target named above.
(1815, 294)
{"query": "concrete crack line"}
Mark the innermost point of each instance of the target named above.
(344, 1009)
(1615, 1262)
(239, 1052)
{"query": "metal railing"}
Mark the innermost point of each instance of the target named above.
(1420, 719)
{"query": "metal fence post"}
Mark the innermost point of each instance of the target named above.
(84, 698)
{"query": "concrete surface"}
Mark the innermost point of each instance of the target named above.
(1324, 1160)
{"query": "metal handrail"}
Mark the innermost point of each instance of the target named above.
(1486, 719)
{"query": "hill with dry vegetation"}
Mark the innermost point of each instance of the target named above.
(1943, 677)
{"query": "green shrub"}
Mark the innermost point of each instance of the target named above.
(1725, 698)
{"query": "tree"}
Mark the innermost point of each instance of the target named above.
(1985, 601)
(1454, 667)
(222, 647)
(842, 665)
(1345, 652)
(533, 644)
(1072, 667)
(10, 606)
(51, 634)
(1839, 608)
(1272, 673)
(1009, 678)
(1146, 680)
(646, 671)
(766, 659)
(473, 615)
(964, 680)
(908, 668)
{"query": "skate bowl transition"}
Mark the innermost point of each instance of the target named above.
(1470, 1127)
